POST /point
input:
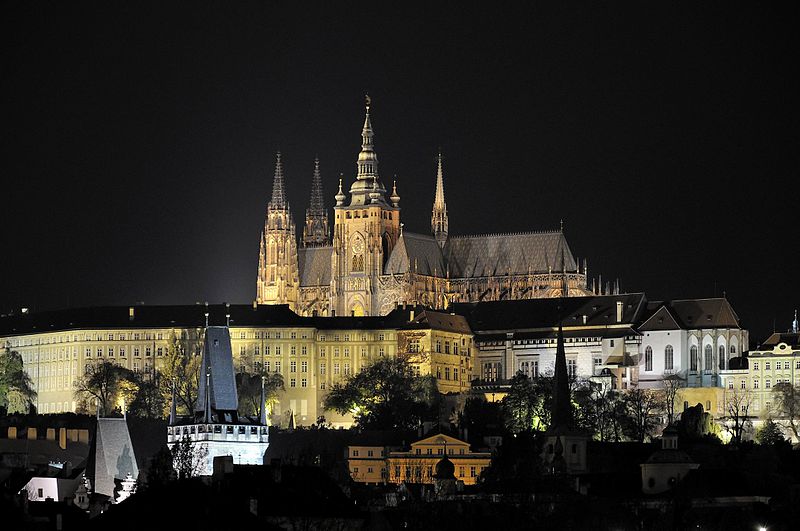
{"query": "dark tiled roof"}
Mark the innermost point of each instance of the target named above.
(146, 316)
(693, 314)
(449, 322)
(114, 455)
(532, 314)
(793, 340)
(218, 356)
(315, 266)
(501, 254)
(418, 253)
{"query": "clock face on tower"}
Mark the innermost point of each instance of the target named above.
(358, 245)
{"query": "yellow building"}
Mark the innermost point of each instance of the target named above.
(311, 353)
(439, 344)
(379, 464)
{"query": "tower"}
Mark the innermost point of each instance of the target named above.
(278, 278)
(365, 232)
(315, 233)
(439, 215)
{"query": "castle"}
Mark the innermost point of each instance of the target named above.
(371, 264)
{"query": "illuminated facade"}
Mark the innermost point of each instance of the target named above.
(310, 353)
(370, 265)
(380, 464)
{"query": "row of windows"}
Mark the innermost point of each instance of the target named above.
(768, 365)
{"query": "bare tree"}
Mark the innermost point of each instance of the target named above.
(737, 407)
(672, 385)
(643, 406)
(106, 382)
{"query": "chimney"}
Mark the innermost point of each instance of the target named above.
(619, 311)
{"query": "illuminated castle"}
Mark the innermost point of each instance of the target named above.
(371, 265)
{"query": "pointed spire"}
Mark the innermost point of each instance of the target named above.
(173, 407)
(439, 221)
(263, 419)
(562, 404)
(794, 323)
(395, 197)
(315, 232)
(367, 159)
(340, 197)
(278, 201)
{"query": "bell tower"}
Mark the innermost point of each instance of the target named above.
(278, 277)
(364, 234)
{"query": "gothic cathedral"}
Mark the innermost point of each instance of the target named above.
(371, 265)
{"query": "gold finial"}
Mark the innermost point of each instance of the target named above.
(368, 100)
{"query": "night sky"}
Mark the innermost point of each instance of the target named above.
(138, 139)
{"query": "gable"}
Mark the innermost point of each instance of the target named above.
(662, 319)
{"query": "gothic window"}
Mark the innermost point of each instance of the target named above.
(668, 358)
(358, 262)
(648, 359)
(709, 361)
(693, 358)
(733, 350)
(722, 357)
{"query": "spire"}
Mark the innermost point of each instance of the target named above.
(395, 197)
(367, 159)
(317, 203)
(278, 201)
(315, 232)
(439, 222)
(172, 409)
(562, 406)
(794, 323)
(340, 197)
(263, 419)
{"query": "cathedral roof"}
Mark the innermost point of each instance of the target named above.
(514, 253)
(416, 253)
(314, 264)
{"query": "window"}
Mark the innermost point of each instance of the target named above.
(709, 358)
(322, 369)
(277, 350)
(266, 366)
(668, 358)
(767, 365)
(303, 366)
(755, 365)
(304, 350)
(787, 365)
(346, 369)
(99, 352)
(110, 352)
(744, 384)
(335, 368)
(292, 366)
(648, 359)
(767, 383)
(293, 350)
(346, 352)
(472, 471)
(438, 346)
(721, 352)
(572, 368)
(292, 335)
(147, 351)
(730, 383)
(292, 382)
(122, 352)
(693, 358)
(380, 352)
(447, 347)
(303, 382)
(277, 366)
(755, 384)
(447, 373)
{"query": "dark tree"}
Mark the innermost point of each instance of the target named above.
(385, 395)
(107, 383)
(770, 434)
(642, 407)
(248, 386)
(527, 406)
(16, 389)
(788, 404)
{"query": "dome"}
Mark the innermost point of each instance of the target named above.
(445, 469)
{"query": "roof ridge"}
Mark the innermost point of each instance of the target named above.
(519, 233)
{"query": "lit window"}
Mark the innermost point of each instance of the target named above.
(648, 359)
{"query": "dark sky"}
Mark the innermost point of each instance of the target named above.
(138, 138)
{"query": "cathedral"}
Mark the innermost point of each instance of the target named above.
(370, 264)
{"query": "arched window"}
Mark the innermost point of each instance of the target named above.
(722, 357)
(693, 358)
(733, 350)
(709, 361)
(668, 358)
(648, 359)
